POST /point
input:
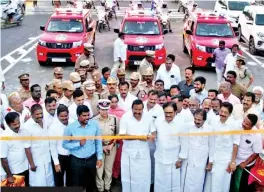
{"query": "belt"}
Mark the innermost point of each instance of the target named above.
(83, 159)
(105, 143)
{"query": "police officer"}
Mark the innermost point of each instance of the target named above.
(91, 96)
(135, 88)
(76, 80)
(109, 126)
(147, 62)
(58, 73)
(121, 75)
(87, 55)
(68, 89)
(96, 77)
(84, 65)
(147, 79)
(111, 88)
(24, 92)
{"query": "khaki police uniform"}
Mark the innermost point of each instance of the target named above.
(89, 85)
(138, 91)
(106, 93)
(82, 57)
(23, 93)
(96, 77)
(144, 63)
(58, 71)
(67, 85)
(147, 87)
(108, 127)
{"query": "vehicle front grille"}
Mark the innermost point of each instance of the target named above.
(140, 48)
(59, 45)
(58, 55)
(136, 58)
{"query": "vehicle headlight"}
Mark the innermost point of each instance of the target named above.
(159, 46)
(200, 47)
(42, 43)
(77, 44)
(260, 34)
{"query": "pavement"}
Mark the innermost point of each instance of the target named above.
(18, 53)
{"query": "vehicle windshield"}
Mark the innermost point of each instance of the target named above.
(260, 19)
(237, 5)
(141, 28)
(4, 2)
(65, 25)
(214, 30)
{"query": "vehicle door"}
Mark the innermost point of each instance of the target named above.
(247, 24)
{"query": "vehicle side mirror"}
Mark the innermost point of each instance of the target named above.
(249, 23)
(42, 27)
(189, 32)
(89, 29)
(237, 33)
(169, 11)
(116, 30)
(165, 31)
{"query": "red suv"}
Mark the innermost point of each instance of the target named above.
(142, 32)
(201, 35)
(64, 35)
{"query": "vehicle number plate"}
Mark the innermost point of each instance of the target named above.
(58, 59)
(213, 64)
(136, 62)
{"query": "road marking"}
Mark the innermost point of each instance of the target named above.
(252, 57)
(251, 63)
(14, 61)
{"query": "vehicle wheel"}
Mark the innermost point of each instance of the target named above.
(41, 63)
(100, 26)
(240, 34)
(184, 47)
(251, 46)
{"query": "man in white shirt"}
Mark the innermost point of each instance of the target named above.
(225, 152)
(78, 99)
(207, 107)
(249, 148)
(171, 150)
(59, 154)
(38, 151)
(258, 104)
(16, 105)
(120, 49)
(49, 111)
(13, 156)
(230, 60)
(169, 73)
(135, 160)
(226, 93)
(200, 148)
(125, 97)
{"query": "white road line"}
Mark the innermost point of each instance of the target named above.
(252, 57)
(13, 61)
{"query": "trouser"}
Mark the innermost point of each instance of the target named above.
(116, 66)
(219, 75)
(84, 172)
(104, 173)
(65, 165)
(26, 175)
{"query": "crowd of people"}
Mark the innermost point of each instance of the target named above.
(155, 109)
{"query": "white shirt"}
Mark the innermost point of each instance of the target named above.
(259, 106)
(40, 149)
(154, 112)
(73, 110)
(172, 77)
(223, 144)
(249, 144)
(211, 117)
(130, 126)
(2, 171)
(127, 103)
(120, 49)
(199, 96)
(22, 116)
(230, 62)
(200, 147)
(186, 115)
(57, 129)
(14, 151)
(170, 148)
(65, 101)
(3, 106)
(47, 117)
(231, 99)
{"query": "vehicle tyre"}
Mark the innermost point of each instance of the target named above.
(184, 47)
(240, 34)
(100, 27)
(251, 46)
(41, 63)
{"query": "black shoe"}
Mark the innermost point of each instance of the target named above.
(170, 31)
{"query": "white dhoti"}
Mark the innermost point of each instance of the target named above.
(152, 148)
(219, 179)
(194, 180)
(135, 173)
(42, 177)
(167, 178)
(183, 173)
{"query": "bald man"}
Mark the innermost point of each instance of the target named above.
(226, 94)
(16, 105)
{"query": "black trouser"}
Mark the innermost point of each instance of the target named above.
(244, 187)
(65, 165)
(84, 172)
(26, 175)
